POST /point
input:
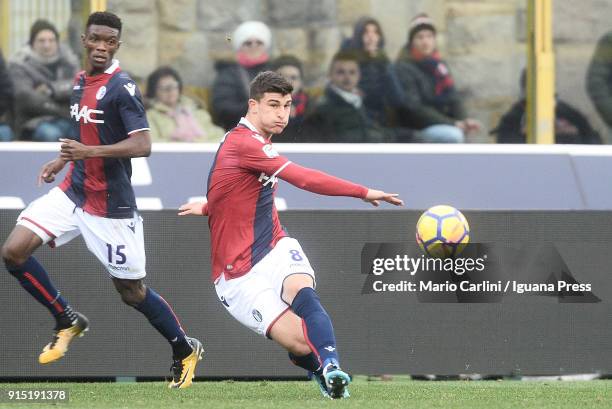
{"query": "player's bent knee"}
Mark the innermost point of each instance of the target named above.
(293, 284)
(132, 292)
(19, 246)
(12, 256)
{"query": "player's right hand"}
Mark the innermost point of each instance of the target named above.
(49, 170)
(375, 196)
(195, 208)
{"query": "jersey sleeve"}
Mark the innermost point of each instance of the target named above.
(258, 156)
(319, 182)
(131, 108)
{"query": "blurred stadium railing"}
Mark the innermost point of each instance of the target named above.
(468, 176)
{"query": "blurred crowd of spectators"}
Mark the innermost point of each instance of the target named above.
(368, 96)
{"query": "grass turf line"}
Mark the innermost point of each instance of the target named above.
(364, 394)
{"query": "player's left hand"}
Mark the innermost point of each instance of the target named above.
(195, 208)
(73, 150)
(49, 170)
(375, 196)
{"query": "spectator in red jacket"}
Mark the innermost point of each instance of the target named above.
(434, 105)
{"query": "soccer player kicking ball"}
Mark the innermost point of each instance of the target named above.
(96, 200)
(261, 275)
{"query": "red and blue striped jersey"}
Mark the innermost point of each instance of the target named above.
(106, 109)
(243, 220)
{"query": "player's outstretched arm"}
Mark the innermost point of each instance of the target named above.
(195, 208)
(319, 182)
(137, 145)
(50, 169)
(375, 196)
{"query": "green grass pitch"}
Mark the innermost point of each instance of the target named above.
(399, 393)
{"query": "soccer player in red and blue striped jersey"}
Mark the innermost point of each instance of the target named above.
(262, 276)
(96, 200)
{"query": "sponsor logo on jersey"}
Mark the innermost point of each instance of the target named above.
(330, 348)
(117, 268)
(265, 179)
(131, 88)
(257, 316)
(270, 151)
(101, 92)
(85, 114)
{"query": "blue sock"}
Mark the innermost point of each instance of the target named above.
(318, 328)
(160, 315)
(309, 362)
(34, 279)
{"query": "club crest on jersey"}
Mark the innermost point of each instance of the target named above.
(85, 114)
(101, 92)
(265, 179)
(270, 151)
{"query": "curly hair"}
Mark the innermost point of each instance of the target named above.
(104, 18)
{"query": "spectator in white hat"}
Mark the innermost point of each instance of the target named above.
(252, 42)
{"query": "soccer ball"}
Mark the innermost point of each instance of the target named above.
(442, 231)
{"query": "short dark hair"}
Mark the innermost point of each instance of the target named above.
(287, 60)
(344, 55)
(40, 25)
(104, 18)
(269, 81)
(157, 75)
